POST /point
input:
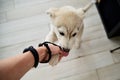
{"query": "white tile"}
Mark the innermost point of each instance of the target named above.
(91, 11)
(26, 11)
(22, 24)
(2, 17)
(92, 75)
(71, 67)
(82, 64)
(21, 36)
(18, 34)
(23, 30)
(6, 5)
(93, 32)
(24, 3)
(18, 48)
(92, 20)
(93, 46)
(116, 55)
(111, 72)
(38, 74)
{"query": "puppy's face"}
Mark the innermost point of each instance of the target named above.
(66, 38)
(66, 22)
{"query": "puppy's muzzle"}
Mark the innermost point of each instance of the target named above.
(66, 49)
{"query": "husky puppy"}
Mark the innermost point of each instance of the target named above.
(66, 27)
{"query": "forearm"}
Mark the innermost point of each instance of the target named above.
(17, 66)
(14, 68)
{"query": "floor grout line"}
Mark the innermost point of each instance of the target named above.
(97, 74)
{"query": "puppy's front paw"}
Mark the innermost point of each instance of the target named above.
(54, 60)
(49, 38)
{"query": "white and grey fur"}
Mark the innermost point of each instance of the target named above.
(66, 27)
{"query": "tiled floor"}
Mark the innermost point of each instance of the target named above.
(24, 23)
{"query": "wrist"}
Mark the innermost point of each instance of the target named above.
(42, 52)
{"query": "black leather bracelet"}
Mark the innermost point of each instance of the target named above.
(34, 53)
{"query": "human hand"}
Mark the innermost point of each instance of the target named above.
(55, 51)
(57, 54)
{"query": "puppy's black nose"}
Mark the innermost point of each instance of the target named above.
(66, 49)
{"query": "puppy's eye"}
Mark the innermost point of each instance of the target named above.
(74, 35)
(61, 33)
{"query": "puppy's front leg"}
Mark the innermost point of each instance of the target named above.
(51, 36)
(78, 39)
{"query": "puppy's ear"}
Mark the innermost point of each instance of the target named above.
(81, 13)
(52, 12)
